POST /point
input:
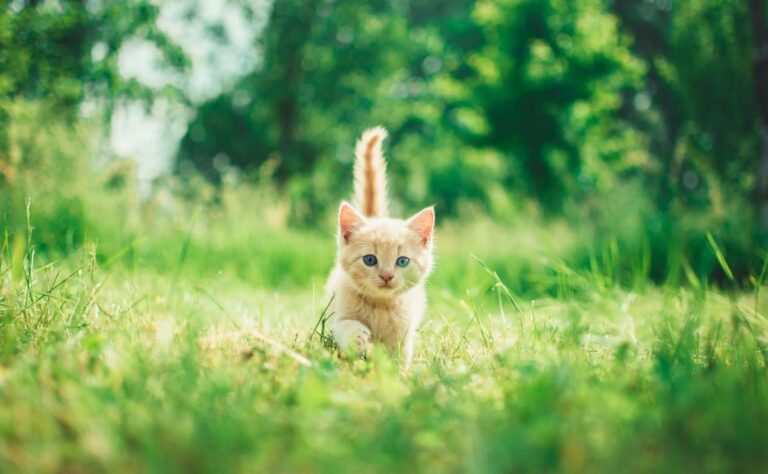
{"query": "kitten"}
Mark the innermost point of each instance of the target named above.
(382, 262)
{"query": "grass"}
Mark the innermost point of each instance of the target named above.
(195, 352)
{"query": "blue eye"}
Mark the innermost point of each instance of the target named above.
(402, 261)
(370, 260)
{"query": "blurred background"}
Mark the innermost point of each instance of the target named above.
(615, 133)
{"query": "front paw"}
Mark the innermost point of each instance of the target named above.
(363, 343)
(353, 338)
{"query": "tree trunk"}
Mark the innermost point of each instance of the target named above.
(760, 76)
(761, 189)
(289, 31)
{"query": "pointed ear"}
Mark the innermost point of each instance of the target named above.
(423, 222)
(349, 218)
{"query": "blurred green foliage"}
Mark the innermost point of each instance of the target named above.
(520, 94)
(573, 106)
(633, 122)
(64, 53)
(568, 96)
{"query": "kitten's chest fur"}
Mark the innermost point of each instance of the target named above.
(389, 320)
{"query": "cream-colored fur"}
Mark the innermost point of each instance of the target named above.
(383, 302)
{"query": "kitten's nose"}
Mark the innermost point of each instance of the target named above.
(386, 277)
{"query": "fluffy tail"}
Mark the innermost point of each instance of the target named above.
(371, 174)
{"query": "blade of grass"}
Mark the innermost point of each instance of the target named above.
(720, 257)
(184, 251)
(759, 282)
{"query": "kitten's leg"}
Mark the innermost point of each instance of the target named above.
(352, 337)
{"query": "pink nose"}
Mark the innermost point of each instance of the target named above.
(386, 277)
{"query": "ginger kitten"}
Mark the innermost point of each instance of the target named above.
(382, 262)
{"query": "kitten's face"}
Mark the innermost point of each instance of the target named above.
(385, 257)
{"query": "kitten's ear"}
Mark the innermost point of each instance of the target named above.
(423, 222)
(349, 218)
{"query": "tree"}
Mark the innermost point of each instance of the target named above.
(700, 85)
(546, 88)
(760, 75)
(61, 53)
(330, 69)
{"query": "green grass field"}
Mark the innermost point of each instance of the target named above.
(200, 351)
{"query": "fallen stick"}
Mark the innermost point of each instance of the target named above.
(277, 345)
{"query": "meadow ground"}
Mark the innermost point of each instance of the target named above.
(202, 352)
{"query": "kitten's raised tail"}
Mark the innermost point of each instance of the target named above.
(371, 173)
